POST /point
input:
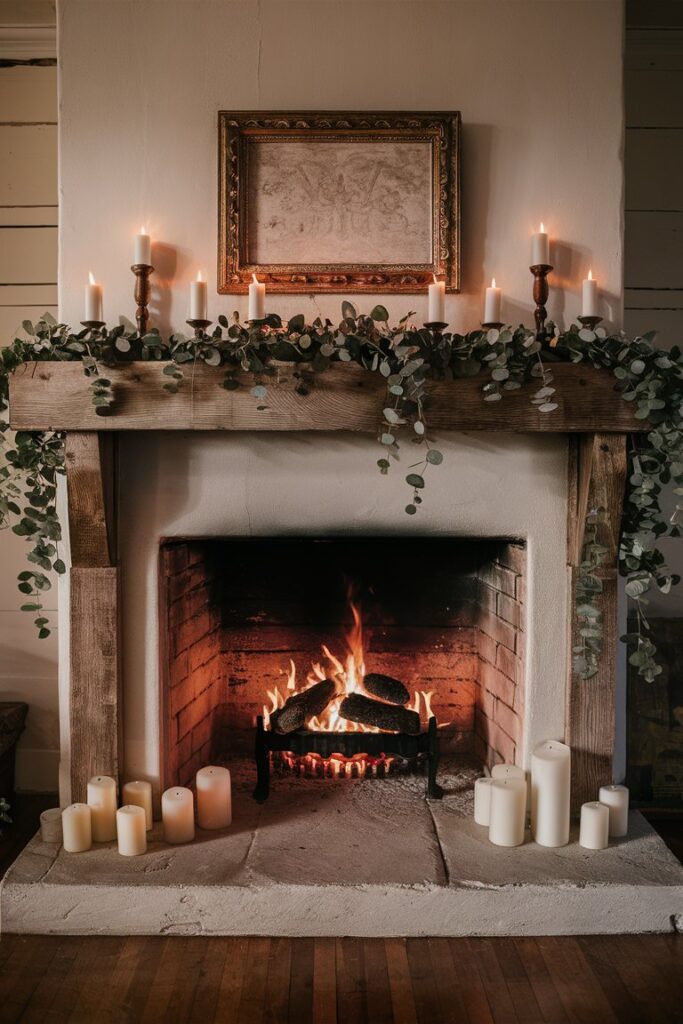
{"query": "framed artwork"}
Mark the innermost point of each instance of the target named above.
(338, 202)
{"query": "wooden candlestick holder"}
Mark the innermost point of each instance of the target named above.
(541, 292)
(142, 273)
(436, 327)
(198, 326)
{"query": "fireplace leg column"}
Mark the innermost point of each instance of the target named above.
(262, 757)
(434, 790)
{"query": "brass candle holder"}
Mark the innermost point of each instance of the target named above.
(591, 322)
(436, 327)
(541, 292)
(93, 325)
(198, 326)
(142, 273)
(495, 325)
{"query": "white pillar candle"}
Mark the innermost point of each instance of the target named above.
(594, 831)
(51, 825)
(102, 800)
(77, 828)
(437, 302)
(540, 248)
(131, 830)
(143, 249)
(507, 771)
(482, 800)
(93, 300)
(508, 812)
(616, 799)
(257, 299)
(198, 301)
(139, 794)
(214, 797)
(177, 814)
(589, 295)
(492, 304)
(550, 782)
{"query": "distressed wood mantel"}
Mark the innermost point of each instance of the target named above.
(56, 396)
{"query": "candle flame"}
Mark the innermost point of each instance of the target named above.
(143, 230)
(493, 282)
(254, 278)
(590, 275)
(436, 280)
(91, 278)
(199, 276)
(542, 228)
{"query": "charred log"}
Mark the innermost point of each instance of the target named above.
(301, 706)
(358, 708)
(386, 688)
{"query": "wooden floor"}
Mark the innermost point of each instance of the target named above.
(349, 981)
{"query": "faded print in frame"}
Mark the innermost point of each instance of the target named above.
(339, 202)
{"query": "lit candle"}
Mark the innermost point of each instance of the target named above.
(482, 800)
(131, 830)
(143, 249)
(437, 302)
(77, 828)
(540, 248)
(616, 800)
(508, 812)
(589, 292)
(140, 795)
(214, 798)
(198, 303)
(102, 800)
(257, 299)
(594, 830)
(177, 814)
(507, 771)
(93, 300)
(492, 304)
(550, 781)
(51, 825)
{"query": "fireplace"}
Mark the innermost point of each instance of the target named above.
(248, 624)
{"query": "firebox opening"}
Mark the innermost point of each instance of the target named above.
(246, 624)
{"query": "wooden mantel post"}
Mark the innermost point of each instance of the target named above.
(95, 691)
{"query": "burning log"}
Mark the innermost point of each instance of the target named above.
(301, 706)
(386, 688)
(358, 708)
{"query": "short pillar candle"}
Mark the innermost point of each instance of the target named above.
(131, 830)
(51, 825)
(102, 801)
(177, 814)
(594, 831)
(214, 797)
(550, 783)
(139, 794)
(616, 799)
(77, 828)
(507, 771)
(508, 812)
(482, 800)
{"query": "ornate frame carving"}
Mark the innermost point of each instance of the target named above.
(237, 128)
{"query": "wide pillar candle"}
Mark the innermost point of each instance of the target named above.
(550, 783)
(102, 801)
(77, 828)
(140, 795)
(594, 831)
(177, 814)
(131, 830)
(482, 800)
(616, 799)
(508, 812)
(214, 797)
(51, 825)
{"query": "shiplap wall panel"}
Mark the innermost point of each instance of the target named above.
(11, 318)
(653, 250)
(28, 94)
(27, 169)
(28, 255)
(654, 98)
(29, 216)
(654, 163)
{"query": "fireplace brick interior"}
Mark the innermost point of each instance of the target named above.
(449, 618)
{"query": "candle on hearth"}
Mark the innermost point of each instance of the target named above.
(102, 800)
(482, 800)
(93, 300)
(51, 825)
(507, 771)
(589, 296)
(177, 814)
(508, 812)
(616, 800)
(594, 831)
(492, 304)
(131, 830)
(214, 797)
(257, 299)
(540, 247)
(550, 781)
(198, 301)
(140, 794)
(77, 828)
(143, 249)
(436, 302)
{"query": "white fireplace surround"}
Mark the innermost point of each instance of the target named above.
(500, 485)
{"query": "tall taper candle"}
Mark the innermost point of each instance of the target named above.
(616, 798)
(550, 781)
(102, 801)
(143, 248)
(139, 794)
(540, 247)
(214, 797)
(508, 812)
(589, 296)
(177, 813)
(93, 299)
(198, 302)
(257, 299)
(492, 304)
(436, 304)
(131, 832)
(77, 828)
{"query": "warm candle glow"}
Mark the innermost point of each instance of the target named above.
(143, 230)
(590, 275)
(91, 278)
(493, 282)
(254, 278)
(542, 228)
(199, 276)
(436, 280)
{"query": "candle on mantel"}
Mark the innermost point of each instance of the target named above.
(140, 794)
(77, 828)
(508, 812)
(102, 800)
(482, 800)
(616, 800)
(143, 249)
(436, 302)
(492, 304)
(540, 248)
(589, 295)
(198, 301)
(550, 782)
(257, 299)
(93, 300)
(594, 830)
(131, 831)
(214, 797)
(177, 814)
(51, 825)
(507, 771)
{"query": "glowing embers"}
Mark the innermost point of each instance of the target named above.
(336, 766)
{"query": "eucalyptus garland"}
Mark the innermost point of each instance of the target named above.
(407, 357)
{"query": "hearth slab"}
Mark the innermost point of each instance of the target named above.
(348, 858)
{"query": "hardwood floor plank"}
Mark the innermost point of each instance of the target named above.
(641, 978)
(520, 989)
(160, 991)
(324, 982)
(277, 981)
(400, 982)
(485, 961)
(351, 988)
(66, 996)
(577, 986)
(626, 1009)
(22, 973)
(470, 982)
(230, 990)
(425, 994)
(540, 980)
(451, 1002)
(97, 980)
(208, 983)
(253, 998)
(301, 982)
(46, 994)
(187, 979)
(147, 953)
(377, 990)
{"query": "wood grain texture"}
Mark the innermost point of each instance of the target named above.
(88, 460)
(56, 396)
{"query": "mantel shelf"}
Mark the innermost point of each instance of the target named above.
(57, 396)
